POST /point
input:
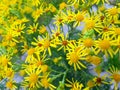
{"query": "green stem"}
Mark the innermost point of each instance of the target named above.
(65, 73)
(119, 55)
(56, 76)
(71, 30)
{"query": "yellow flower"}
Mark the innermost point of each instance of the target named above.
(31, 55)
(102, 8)
(38, 43)
(75, 58)
(32, 29)
(104, 45)
(98, 80)
(32, 80)
(36, 3)
(37, 13)
(24, 47)
(31, 51)
(99, 1)
(47, 44)
(74, 85)
(94, 60)
(59, 19)
(76, 5)
(39, 62)
(1, 31)
(62, 5)
(86, 43)
(72, 2)
(11, 85)
(90, 83)
(79, 17)
(42, 29)
(53, 8)
(18, 29)
(115, 32)
(44, 44)
(5, 60)
(113, 13)
(27, 9)
(68, 16)
(45, 82)
(20, 21)
(12, 44)
(44, 68)
(63, 42)
(91, 23)
(115, 76)
(4, 8)
(56, 34)
(10, 36)
(105, 28)
(56, 60)
(9, 73)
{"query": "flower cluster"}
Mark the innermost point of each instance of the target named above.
(59, 44)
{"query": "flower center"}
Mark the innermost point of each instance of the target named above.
(79, 17)
(104, 44)
(62, 5)
(118, 45)
(90, 24)
(26, 46)
(44, 68)
(39, 63)
(102, 18)
(42, 30)
(98, 80)
(39, 44)
(64, 42)
(57, 34)
(45, 82)
(38, 12)
(19, 30)
(5, 62)
(33, 78)
(34, 29)
(9, 73)
(60, 20)
(46, 43)
(9, 85)
(9, 37)
(88, 42)
(116, 77)
(113, 11)
(74, 57)
(31, 51)
(96, 60)
(105, 29)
